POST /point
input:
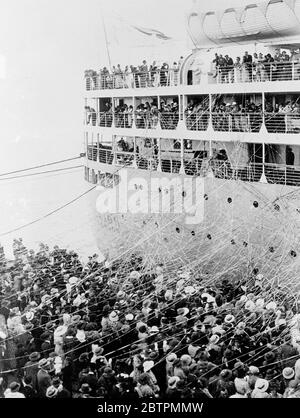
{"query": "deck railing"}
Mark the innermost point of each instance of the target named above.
(241, 73)
(170, 162)
(236, 122)
(260, 72)
(285, 123)
(138, 79)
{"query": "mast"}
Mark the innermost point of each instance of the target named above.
(105, 35)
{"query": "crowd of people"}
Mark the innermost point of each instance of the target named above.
(257, 67)
(148, 115)
(140, 76)
(234, 116)
(117, 330)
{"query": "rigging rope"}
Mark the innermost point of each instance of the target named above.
(42, 172)
(43, 165)
(48, 214)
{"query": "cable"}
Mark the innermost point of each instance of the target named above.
(48, 214)
(43, 165)
(42, 172)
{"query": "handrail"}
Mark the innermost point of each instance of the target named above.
(137, 79)
(251, 122)
(275, 173)
(257, 72)
(237, 73)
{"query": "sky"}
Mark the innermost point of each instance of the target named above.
(45, 47)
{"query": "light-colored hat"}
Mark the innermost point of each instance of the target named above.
(172, 381)
(229, 319)
(113, 316)
(214, 339)
(73, 280)
(260, 303)
(288, 373)
(60, 331)
(171, 357)
(243, 298)
(281, 321)
(147, 365)
(2, 335)
(129, 317)
(154, 330)
(120, 294)
(169, 295)
(51, 392)
(271, 306)
(45, 298)
(180, 283)
(253, 369)
(185, 358)
(190, 290)
(250, 305)
(183, 311)
(261, 385)
(259, 277)
(134, 275)
(29, 316)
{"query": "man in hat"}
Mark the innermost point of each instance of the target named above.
(27, 388)
(13, 391)
(32, 367)
(43, 378)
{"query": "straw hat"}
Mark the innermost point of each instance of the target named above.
(229, 319)
(171, 357)
(271, 306)
(190, 290)
(261, 385)
(29, 316)
(147, 365)
(214, 339)
(182, 311)
(288, 373)
(172, 382)
(113, 316)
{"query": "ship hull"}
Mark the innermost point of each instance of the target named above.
(244, 226)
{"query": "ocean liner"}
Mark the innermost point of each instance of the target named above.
(201, 162)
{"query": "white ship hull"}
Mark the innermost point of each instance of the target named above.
(244, 225)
